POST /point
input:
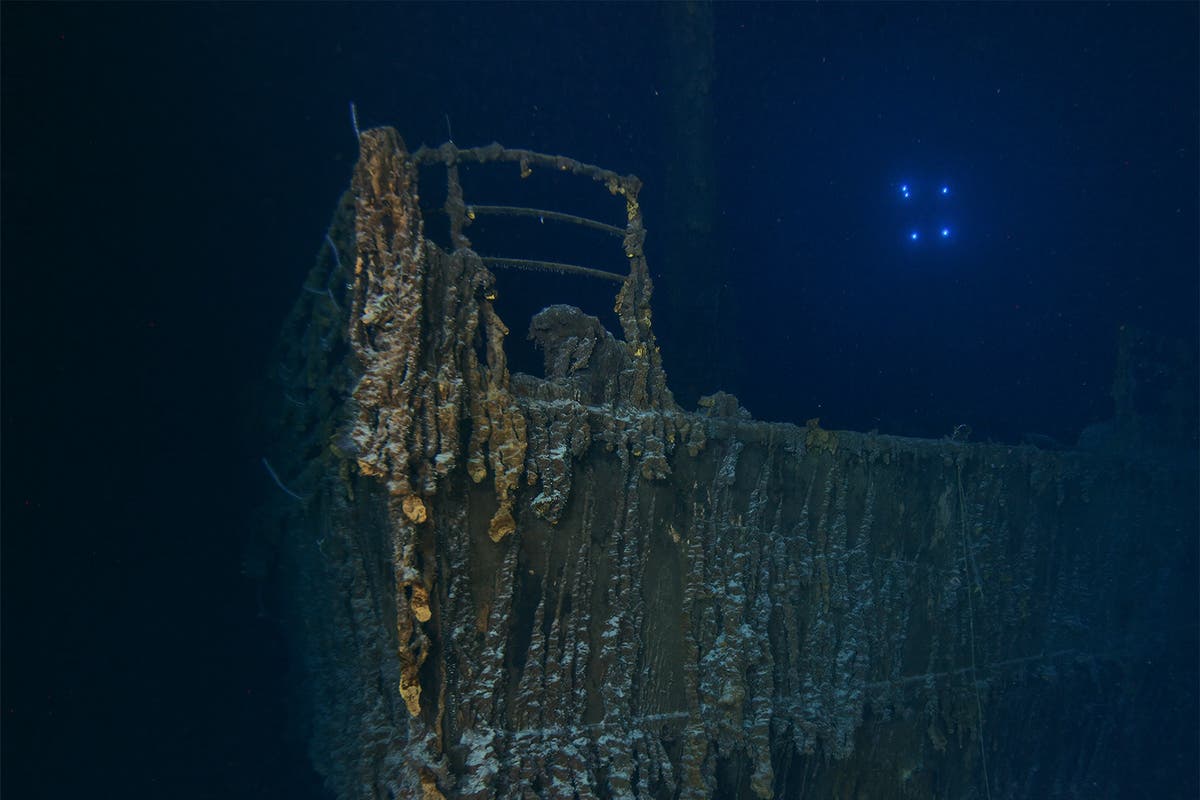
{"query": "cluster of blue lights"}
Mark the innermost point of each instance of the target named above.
(944, 232)
(906, 190)
(915, 235)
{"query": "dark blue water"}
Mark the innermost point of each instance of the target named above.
(168, 173)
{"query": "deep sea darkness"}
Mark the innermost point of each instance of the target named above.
(168, 172)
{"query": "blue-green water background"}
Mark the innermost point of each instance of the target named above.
(168, 172)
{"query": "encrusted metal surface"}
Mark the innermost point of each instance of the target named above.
(567, 586)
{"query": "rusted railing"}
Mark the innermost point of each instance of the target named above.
(462, 214)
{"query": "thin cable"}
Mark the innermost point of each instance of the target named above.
(278, 482)
(967, 563)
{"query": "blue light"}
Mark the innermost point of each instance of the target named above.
(945, 190)
(914, 236)
(945, 233)
(904, 190)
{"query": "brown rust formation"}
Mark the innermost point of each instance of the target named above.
(565, 586)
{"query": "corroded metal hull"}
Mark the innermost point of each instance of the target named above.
(568, 586)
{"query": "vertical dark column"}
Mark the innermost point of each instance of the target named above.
(697, 313)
